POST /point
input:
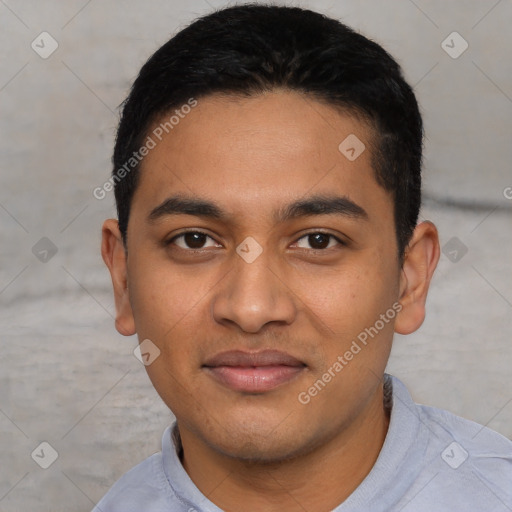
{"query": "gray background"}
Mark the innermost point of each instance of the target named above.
(68, 378)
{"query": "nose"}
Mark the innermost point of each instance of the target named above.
(253, 295)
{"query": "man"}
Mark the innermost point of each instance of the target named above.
(267, 174)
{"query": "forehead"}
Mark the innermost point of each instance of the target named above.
(265, 150)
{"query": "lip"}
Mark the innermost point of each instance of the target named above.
(253, 372)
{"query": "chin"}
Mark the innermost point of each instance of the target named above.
(260, 449)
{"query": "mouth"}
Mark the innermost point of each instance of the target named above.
(253, 372)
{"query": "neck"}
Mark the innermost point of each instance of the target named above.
(319, 480)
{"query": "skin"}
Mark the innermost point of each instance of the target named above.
(251, 157)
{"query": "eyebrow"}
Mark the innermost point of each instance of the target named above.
(313, 205)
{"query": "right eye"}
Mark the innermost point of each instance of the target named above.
(192, 240)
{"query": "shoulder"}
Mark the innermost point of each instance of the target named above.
(144, 487)
(478, 440)
(453, 463)
(476, 456)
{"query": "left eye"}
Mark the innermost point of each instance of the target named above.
(318, 241)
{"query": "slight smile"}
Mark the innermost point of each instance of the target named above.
(253, 372)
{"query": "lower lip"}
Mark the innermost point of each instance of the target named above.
(254, 379)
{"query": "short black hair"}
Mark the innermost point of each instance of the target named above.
(249, 49)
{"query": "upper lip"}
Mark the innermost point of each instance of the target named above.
(248, 359)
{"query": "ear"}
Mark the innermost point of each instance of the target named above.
(420, 261)
(114, 256)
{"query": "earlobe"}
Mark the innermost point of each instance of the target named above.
(114, 256)
(420, 261)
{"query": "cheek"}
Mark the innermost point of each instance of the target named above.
(352, 298)
(161, 297)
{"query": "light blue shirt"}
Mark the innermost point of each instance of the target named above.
(431, 461)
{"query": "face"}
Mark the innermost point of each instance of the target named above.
(257, 256)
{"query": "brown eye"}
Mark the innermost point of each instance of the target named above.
(318, 241)
(192, 240)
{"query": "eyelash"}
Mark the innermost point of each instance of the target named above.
(195, 231)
